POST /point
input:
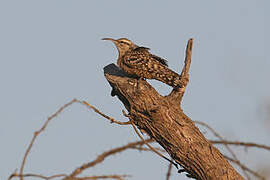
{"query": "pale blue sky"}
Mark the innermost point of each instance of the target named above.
(51, 52)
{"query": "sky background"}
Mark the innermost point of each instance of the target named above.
(51, 52)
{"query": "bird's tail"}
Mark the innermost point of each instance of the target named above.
(169, 77)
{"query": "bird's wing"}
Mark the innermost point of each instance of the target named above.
(142, 55)
(141, 48)
(137, 56)
(161, 60)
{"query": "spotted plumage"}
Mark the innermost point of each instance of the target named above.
(138, 61)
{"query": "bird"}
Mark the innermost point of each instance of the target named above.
(139, 62)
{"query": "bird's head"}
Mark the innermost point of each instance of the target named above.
(123, 45)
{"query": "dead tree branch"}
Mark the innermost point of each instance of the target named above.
(163, 120)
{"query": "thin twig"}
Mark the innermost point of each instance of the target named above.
(148, 149)
(114, 176)
(237, 143)
(37, 176)
(104, 115)
(169, 172)
(39, 131)
(104, 155)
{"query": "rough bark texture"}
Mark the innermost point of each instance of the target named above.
(163, 119)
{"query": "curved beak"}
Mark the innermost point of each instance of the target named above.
(109, 39)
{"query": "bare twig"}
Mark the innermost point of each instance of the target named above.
(37, 176)
(237, 143)
(104, 115)
(148, 149)
(39, 131)
(114, 176)
(169, 172)
(104, 155)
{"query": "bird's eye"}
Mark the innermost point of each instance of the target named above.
(123, 42)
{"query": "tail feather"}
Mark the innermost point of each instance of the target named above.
(169, 77)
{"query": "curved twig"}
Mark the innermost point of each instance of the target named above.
(36, 133)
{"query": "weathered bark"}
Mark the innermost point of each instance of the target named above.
(163, 119)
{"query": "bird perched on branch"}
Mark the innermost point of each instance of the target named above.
(138, 61)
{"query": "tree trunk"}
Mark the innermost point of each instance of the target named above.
(163, 120)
